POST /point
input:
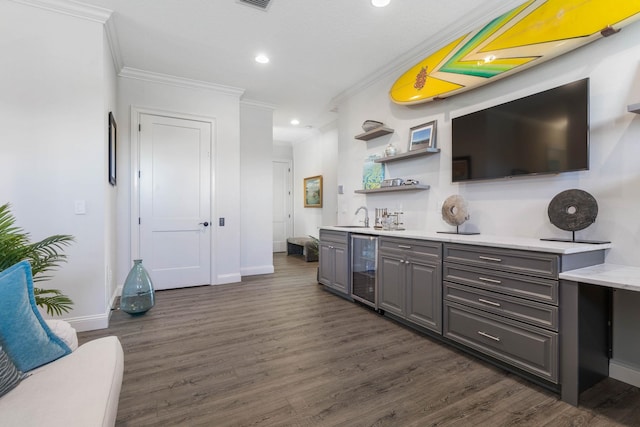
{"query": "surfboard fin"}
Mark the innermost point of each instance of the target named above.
(609, 31)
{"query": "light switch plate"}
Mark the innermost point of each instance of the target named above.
(80, 207)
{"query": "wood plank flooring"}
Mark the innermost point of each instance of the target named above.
(279, 350)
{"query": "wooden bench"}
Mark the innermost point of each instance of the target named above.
(304, 246)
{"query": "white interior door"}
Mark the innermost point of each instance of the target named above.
(175, 207)
(282, 204)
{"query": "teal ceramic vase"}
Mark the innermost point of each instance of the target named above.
(137, 293)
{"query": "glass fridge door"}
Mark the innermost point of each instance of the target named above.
(363, 268)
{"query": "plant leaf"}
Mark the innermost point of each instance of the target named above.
(44, 256)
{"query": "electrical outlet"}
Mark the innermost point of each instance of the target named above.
(221, 222)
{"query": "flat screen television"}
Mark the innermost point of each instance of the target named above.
(544, 133)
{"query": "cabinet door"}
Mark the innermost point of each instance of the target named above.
(424, 295)
(341, 269)
(327, 264)
(391, 284)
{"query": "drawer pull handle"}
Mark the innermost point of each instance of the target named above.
(404, 247)
(495, 304)
(486, 335)
(486, 279)
(488, 258)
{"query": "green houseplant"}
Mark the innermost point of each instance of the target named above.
(315, 245)
(43, 256)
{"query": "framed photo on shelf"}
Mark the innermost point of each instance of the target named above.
(423, 136)
(313, 192)
(113, 136)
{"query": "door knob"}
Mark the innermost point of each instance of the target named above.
(206, 223)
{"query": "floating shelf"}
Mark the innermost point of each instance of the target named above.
(634, 108)
(409, 154)
(374, 133)
(418, 187)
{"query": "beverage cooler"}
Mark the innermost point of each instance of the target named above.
(364, 259)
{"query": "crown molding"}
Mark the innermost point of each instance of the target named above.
(114, 44)
(258, 104)
(71, 8)
(402, 63)
(88, 12)
(166, 79)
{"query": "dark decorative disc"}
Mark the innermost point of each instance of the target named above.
(573, 210)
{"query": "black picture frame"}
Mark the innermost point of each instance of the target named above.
(113, 140)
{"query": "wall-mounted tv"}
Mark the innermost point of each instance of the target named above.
(547, 132)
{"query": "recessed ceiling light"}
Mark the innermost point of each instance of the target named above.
(380, 3)
(295, 122)
(262, 58)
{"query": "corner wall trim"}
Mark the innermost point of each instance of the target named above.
(114, 44)
(625, 373)
(224, 279)
(90, 323)
(258, 269)
(72, 8)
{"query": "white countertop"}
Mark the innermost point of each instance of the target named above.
(610, 275)
(521, 243)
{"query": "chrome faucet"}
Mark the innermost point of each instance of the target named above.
(366, 215)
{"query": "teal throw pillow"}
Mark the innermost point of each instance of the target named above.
(24, 335)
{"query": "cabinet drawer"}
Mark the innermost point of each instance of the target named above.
(524, 262)
(527, 347)
(419, 248)
(533, 288)
(334, 236)
(535, 313)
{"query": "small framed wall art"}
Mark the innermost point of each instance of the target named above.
(113, 136)
(422, 136)
(313, 192)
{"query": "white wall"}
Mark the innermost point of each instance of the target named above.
(282, 150)
(256, 189)
(316, 156)
(111, 192)
(56, 88)
(224, 110)
(329, 143)
(517, 206)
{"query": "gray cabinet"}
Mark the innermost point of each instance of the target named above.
(334, 260)
(504, 303)
(507, 304)
(409, 284)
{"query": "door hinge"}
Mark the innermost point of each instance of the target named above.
(139, 127)
(139, 174)
(139, 221)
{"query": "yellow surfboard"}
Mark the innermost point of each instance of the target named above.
(534, 32)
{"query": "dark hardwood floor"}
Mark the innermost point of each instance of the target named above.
(278, 350)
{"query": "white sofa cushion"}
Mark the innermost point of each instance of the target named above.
(64, 331)
(80, 389)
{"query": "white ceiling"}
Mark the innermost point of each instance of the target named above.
(319, 50)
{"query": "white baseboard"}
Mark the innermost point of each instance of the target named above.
(114, 297)
(90, 323)
(223, 279)
(625, 373)
(253, 271)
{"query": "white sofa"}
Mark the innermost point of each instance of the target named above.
(80, 389)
